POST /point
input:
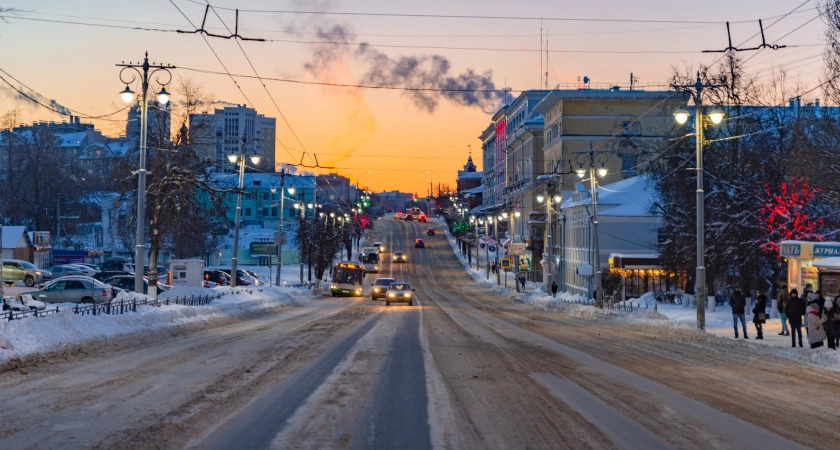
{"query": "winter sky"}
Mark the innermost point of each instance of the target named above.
(399, 137)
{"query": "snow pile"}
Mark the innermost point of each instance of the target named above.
(19, 338)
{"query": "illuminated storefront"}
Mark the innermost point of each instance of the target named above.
(801, 256)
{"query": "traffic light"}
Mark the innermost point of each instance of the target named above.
(414, 197)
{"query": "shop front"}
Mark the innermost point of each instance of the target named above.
(803, 261)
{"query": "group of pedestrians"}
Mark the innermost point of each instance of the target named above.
(819, 314)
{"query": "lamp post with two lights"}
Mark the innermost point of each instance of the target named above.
(281, 236)
(590, 157)
(715, 116)
(239, 159)
(146, 71)
(552, 180)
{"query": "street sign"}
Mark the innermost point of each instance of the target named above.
(492, 248)
(505, 263)
(481, 245)
(262, 249)
(516, 249)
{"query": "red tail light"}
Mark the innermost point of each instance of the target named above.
(104, 292)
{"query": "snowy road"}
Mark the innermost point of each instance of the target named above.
(466, 368)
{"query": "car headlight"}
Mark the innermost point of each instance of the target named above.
(392, 295)
(38, 273)
(375, 289)
(376, 267)
(332, 286)
(407, 294)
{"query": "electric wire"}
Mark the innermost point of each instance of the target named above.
(218, 58)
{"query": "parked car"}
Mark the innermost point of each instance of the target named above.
(419, 243)
(105, 274)
(399, 292)
(126, 283)
(74, 289)
(117, 264)
(64, 270)
(243, 275)
(18, 270)
(89, 272)
(92, 266)
(379, 286)
(217, 276)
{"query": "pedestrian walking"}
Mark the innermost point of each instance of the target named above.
(816, 332)
(831, 319)
(493, 267)
(738, 303)
(794, 310)
(781, 304)
(554, 289)
(759, 315)
(522, 280)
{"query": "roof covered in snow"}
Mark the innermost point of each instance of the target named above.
(631, 197)
(12, 235)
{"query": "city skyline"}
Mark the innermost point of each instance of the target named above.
(384, 139)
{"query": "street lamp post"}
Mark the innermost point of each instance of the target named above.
(590, 157)
(240, 159)
(550, 197)
(281, 237)
(716, 116)
(148, 70)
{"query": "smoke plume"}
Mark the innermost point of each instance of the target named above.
(431, 72)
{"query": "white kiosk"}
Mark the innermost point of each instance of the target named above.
(806, 261)
(187, 272)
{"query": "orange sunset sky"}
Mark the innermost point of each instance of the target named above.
(66, 51)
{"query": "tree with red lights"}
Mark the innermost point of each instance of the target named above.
(786, 214)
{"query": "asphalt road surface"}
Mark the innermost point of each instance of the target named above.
(466, 367)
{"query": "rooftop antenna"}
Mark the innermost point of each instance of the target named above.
(541, 42)
(546, 59)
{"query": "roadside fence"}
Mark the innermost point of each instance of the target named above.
(114, 307)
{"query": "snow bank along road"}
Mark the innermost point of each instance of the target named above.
(466, 368)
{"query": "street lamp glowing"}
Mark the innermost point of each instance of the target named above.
(557, 198)
(233, 158)
(517, 214)
(255, 160)
(580, 171)
(716, 116)
(163, 96)
(681, 116)
(291, 191)
(540, 198)
(602, 171)
(127, 95)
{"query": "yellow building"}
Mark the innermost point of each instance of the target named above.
(630, 126)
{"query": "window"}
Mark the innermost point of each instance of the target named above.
(637, 128)
(248, 212)
(625, 127)
(628, 165)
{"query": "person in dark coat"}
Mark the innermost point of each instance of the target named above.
(794, 310)
(554, 289)
(759, 315)
(781, 304)
(739, 304)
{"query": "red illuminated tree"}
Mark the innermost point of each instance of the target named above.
(786, 215)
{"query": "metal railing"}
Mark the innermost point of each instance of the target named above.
(114, 307)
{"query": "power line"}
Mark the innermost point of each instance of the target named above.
(262, 83)
(31, 97)
(227, 72)
(470, 16)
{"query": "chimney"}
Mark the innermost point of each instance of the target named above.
(792, 102)
(817, 103)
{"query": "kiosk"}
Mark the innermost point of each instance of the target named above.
(804, 260)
